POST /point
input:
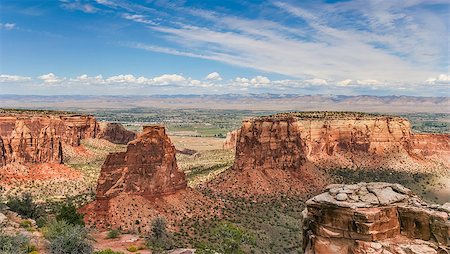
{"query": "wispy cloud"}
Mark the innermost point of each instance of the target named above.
(13, 78)
(7, 26)
(388, 42)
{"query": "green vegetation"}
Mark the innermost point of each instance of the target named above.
(160, 239)
(107, 251)
(68, 212)
(113, 233)
(25, 206)
(65, 238)
(14, 244)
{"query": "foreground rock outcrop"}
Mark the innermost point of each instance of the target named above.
(137, 185)
(38, 138)
(374, 218)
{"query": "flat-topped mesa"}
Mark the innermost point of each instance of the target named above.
(340, 138)
(35, 137)
(39, 138)
(374, 218)
(148, 168)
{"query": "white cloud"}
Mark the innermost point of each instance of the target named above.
(7, 26)
(127, 79)
(51, 78)
(213, 76)
(169, 79)
(316, 81)
(344, 82)
(77, 5)
(13, 78)
(441, 79)
(138, 18)
(368, 82)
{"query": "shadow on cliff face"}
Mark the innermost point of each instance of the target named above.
(426, 185)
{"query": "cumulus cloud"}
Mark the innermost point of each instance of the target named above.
(7, 26)
(213, 76)
(441, 79)
(51, 78)
(169, 79)
(316, 81)
(13, 78)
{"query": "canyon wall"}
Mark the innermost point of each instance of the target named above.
(378, 218)
(39, 138)
(231, 139)
(343, 139)
(115, 133)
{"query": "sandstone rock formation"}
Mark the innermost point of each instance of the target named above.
(133, 184)
(37, 138)
(115, 133)
(379, 218)
(283, 152)
(148, 167)
(230, 140)
(331, 138)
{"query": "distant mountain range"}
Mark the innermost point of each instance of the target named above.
(234, 101)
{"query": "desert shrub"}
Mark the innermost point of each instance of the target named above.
(25, 206)
(65, 238)
(160, 239)
(108, 251)
(113, 233)
(68, 213)
(13, 244)
(132, 248)
(228, 239)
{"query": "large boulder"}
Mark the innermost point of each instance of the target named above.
(374, 218)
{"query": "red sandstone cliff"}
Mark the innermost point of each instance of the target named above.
(230, 140)
(339, 139)
(115, 133)
(272, 151)
(148, 167)
(139, 184)
(376, 218)
(39, 138)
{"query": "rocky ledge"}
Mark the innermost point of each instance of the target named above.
(378, 217)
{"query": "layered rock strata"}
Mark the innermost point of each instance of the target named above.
(230, 140)
(285, 141)
(374, 218)
(39, 138)
(148, 167)
(115, 133)
(144, 175)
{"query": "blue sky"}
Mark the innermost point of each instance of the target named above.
(378, 47)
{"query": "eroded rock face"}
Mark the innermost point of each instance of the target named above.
(115, 133)
(148, 167)
(338, 139)
(38, 139)
(374, 218)
(136, 185)
(230, 140)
